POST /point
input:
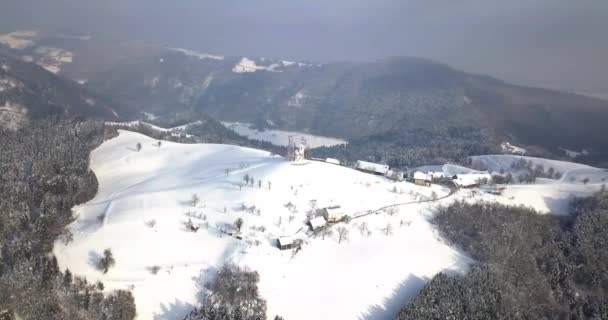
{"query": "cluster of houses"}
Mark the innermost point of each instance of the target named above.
(380, 170)
(331, 214)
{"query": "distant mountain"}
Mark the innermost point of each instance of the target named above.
(388, 101)
(358, 100)
(29, 91)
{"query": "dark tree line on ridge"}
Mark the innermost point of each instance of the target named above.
(44, 172)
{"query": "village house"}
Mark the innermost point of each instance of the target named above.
(316, 223)
(286, 243)
(333, 214)
(471, 180)
(422, 179)
(373, 168)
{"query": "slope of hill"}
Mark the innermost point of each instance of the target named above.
(28, 91)
(145, 202)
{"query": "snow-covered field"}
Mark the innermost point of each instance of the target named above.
(280, 137)
(144, 199)
(545, 195)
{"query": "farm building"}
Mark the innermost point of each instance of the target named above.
(422, 179)
(286, 243)
(333, 161)
(316, 223)
(373, 168)
(333, 214)
(472, 180)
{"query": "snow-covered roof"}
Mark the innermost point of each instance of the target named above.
(334, 210)
(283, 241)
(421, 176)
(317, 222)
(332, 160)
(465, 180)
(370, 166)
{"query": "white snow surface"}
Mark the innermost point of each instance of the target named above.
(366, 277)
(281, 137)
(246, 65)
(18, 40)
(198, 55)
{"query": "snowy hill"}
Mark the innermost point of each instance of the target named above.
(145, 198)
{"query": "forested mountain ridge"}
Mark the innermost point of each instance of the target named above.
(28, 91)
(390, 98)
(356, 100)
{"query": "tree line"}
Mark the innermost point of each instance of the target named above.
(44, 172)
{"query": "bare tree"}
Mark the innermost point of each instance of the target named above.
(391, 211)
(260, 184)
(227, 171)
(327, 232)
(194, 200)
(154, 269)
(238, 224)
(138, 146)
(151, 223)
(158, 144)
(342, 234)
(269, 185)
(246, 178)
(363, 228)
(388, 230)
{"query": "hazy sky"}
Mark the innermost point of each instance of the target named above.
(543, 42)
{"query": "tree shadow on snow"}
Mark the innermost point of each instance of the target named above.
(405, 292)
(94, 258)
(173, 311)
(557, 206)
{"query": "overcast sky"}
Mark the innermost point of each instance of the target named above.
(543, 42)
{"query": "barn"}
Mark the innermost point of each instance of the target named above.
(373, 168)
(471, 180)
(316, 223)
(333, 214)
(422, 179)
(286, 243)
